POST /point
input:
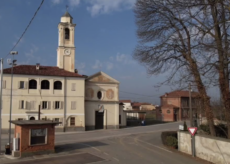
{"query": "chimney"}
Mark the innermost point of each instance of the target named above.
(166, 94)
(76, 71)
(37, 66)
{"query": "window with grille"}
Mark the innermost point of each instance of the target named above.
(72, 121)
(57, 85)
(32, 84)
(22, 104)
(21, 84)
(45, 84)
(38, 136)
(44, 105)
(57, 104)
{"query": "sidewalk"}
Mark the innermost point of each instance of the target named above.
(61, 152)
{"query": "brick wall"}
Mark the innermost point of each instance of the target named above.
(167, 116)
(25, 139)
(171, 101)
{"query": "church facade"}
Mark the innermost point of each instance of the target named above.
(60, 93)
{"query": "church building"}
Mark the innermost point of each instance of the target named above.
(60, 93)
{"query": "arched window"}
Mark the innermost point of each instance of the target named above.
(32, 118)
(66, 33)
(45, 84)
(57, 85)
(32, 84)
(99, 95)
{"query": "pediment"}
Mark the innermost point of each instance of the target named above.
(101, 77)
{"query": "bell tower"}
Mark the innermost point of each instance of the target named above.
(66, 47)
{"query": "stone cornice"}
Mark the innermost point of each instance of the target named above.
(66, 24)
(103, 102)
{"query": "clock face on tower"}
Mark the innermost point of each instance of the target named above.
(67, 51)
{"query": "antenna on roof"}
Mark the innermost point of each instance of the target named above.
(67, 7)
(8, 61)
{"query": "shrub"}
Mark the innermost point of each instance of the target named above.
(221, 130)
(172, 141)
(185, 126)
(205, 128)
(165, 134)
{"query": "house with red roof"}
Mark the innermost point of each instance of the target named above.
(175, 105)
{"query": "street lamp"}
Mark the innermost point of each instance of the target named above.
(13, 63)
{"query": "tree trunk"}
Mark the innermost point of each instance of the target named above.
(202, 90)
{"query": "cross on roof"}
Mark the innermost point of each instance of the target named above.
(67, 7)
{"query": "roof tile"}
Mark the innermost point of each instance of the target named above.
(179, 93)
(42, 71)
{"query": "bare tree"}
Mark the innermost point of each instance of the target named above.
(212, 18)
(169, 42)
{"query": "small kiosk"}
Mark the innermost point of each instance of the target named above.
(32, 137)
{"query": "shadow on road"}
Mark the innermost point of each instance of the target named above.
(73, 147)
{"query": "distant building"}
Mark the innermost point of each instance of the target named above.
(143, 106)
(126, 104)
(175, 105)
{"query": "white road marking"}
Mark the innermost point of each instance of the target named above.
(98, 150)
(155, 146)
(106, 153)
(116, 159)
(90, 147)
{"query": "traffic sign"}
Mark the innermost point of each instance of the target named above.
(192, 130)
(101, 108)
(181, 127)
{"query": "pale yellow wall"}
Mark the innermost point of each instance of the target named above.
(111, 114)
(102, 87)
(38, 95)
(67, 62)
(66, 20)
(111, 106)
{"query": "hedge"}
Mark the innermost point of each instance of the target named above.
(166, 134)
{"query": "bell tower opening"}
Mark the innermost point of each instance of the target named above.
(66, 46)
(66, 33)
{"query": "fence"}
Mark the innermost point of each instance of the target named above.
(209, 148)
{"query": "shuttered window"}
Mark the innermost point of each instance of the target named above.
(73, 87)
(73, 105)
(72, 121)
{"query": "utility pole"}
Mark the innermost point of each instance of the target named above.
(1, 103)
(13, 64)
(39, 112)
(190, 106)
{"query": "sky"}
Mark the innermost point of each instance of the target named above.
(105, 38)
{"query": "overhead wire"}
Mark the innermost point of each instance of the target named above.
(138, 94)
(26, 28)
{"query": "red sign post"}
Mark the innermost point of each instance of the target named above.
(192, 130)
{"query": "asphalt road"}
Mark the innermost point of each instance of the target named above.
(102, 134)
(129, 146)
